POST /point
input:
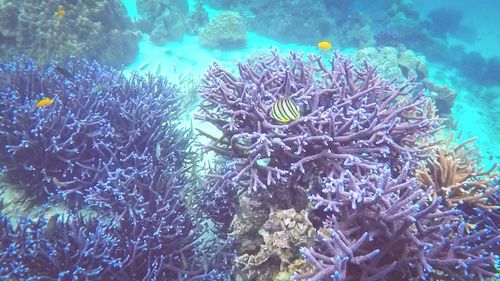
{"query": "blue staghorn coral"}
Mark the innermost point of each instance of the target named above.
(102, 131)
(353, 155)
(110, 143)
(156, 241)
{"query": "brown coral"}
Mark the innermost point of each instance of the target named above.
(453, 174)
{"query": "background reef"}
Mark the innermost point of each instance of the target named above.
(98, 30)
(382, 23)
(169, 20)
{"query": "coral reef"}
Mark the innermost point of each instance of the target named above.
(102, 132)
(167, 20)
(400, 64)
(292, 21)
(383, 23)
(226, 31)
(111, 144)
(198, 18)
(86, 29)
(348, 164)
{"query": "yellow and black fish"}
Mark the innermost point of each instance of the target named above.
(285, 110)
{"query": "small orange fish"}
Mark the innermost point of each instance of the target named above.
(44, 102)
(60, 12)
(324, 45)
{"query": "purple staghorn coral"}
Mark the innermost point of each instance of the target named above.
(352, 120)
(76, 249)
(353, 156)
(156, 240)
(385, 227)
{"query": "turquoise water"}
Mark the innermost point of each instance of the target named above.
(476, 32)
(138, 141)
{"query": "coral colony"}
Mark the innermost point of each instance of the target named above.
(353, 187)
(101, 128)
(108, 143)
(353, 154)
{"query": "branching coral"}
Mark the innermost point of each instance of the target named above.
(154, 239)
(351, 120)
(74, 249)
(385, 227)
(103, 131)
(353, 154)
(110, 142)
(214, 202)
(453, 175)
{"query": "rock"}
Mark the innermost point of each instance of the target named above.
(443, 96)
(412, 65)
(8, 20)
(278, 257)
(168, 28)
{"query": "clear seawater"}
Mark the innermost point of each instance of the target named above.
(476, 107)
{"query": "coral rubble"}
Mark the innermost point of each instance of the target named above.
(283, 234)
(86, 29)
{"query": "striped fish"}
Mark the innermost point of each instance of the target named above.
(285, 110)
